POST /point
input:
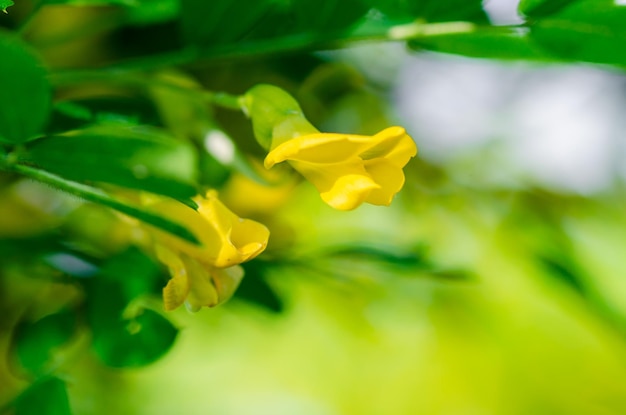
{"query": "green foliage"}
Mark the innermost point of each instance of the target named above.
(586, 30)
(538, 8)
(4, 4)
(35, 342)
(126, 335)
(133, 157)
(25, 98)
(50, 393)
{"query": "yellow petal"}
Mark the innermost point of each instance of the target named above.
(202, 292)
(318, 148)
(389, 177)
(342, 186)
(393, 144)
(177, 288)
(240, 239)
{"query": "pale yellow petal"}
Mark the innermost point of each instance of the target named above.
(226, 281)
(177, 288)
(202, 292)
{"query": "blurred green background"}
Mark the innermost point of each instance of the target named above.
(493, 284)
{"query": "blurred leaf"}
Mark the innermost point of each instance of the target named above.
(48, 396)
(255, 289)
(433, 10)
(133, 342)
(74, 115)
(563, 271)
(138, 158)
(587, 30)
(35, 342)
(488, 42)
(120, 340)
(266, 19)
(134, 271)
(93, 2)
(153, 11)
(538, 8)
(4, 4)
(25, 96)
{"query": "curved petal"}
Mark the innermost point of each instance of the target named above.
(342, 186)
(177, 288)
(240, 239)
(226, 281)
(202, 229)
(390, 179)
(318, 148)
(393, 144)
(202, 292)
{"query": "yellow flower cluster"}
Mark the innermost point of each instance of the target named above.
(208, 274)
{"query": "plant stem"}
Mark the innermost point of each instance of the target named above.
(95, 195)
(140, 80)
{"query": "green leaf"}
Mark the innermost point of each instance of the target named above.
(94, 2)
(488, 42)
(133, 342)
(269, 19)
(538, 8)
(25, 96)
(255, 289)
(120, 339)
(133, 271)
(4, 4)
(588, 30)
(48, 396)
(137, 158)
(433, 10)
(36, 342)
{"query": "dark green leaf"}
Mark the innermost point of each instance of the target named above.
(48, 396)
(93, 2)
(35, 342)
(153, 11)
(138, 158)
(433, 10)
(588, 30)
(25, 92)
(255, 289)
(269, 19)
(538, 8)
(79, 114)
(134, 342)
(134, 271)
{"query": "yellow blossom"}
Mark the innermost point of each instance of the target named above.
(349, 170)
(206, 274)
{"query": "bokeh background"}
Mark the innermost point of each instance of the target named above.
(494, 283)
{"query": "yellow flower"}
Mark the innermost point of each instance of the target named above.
(347, 169)
(208, 274)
